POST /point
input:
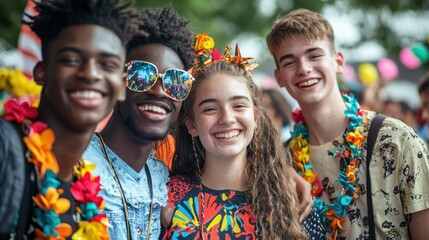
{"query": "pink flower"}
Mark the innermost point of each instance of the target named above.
(85, 190)
(37, 127)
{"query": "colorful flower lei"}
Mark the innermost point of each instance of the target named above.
(333, 214)
(39, 140)
(14, 84)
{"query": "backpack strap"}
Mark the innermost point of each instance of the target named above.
(372, 137)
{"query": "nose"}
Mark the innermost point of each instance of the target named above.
(89, 70)
(227, 116)
(304, 68)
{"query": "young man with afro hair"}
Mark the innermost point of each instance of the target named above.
(43, 180)
(134, 180)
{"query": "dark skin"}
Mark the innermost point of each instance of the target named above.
(133, 129)
(82, 81)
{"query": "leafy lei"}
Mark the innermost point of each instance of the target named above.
(333, 214)
(39, 140)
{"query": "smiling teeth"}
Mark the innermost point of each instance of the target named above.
(87, 94)
(308, 83)
(153, 108)
(227, 135)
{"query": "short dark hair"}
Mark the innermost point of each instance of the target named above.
(55, 15)
(166, 27)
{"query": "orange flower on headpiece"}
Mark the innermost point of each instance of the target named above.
(203, 42)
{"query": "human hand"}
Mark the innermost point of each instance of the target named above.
(306, 200)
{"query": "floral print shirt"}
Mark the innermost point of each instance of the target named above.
(399, 179)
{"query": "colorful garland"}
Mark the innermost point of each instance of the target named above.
(14, 84)
(333, 214)
(39, 140)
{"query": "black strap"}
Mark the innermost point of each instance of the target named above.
(372, 137)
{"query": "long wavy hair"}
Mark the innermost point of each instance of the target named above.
(268, 163)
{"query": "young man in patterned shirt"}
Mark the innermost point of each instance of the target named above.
(334, 137)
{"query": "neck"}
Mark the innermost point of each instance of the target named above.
(131, 150)
(220, 175)
(68, 147)
(325, 123)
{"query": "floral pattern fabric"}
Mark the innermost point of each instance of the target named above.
(226, 213)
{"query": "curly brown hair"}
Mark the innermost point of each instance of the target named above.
(268, 163)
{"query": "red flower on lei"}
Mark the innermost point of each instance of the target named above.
(18, 113)
(85, 190)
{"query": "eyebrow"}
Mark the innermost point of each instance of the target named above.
(78, 50)
(290, 55)
(212, 100)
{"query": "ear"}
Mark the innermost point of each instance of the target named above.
(39, 72)
(191, 128)
(341, 63)
(123, 90)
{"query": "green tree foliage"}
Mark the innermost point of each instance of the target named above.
(225, 19)
(11, 13)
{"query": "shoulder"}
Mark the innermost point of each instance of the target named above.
(178, 187)
(157, 167)
(93, 152)
(11, 145)
(7, 130)
(12, 172)
(391, 127)
(396, 136)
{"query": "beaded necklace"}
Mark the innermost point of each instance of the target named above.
(333, 214)
(39, 140)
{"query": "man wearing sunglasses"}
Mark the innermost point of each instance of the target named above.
(134, 181)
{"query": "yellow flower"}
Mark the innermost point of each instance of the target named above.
(81, 169)
(17, 84)
(203, 41)
(40, 146)
(91, 231)
(300, 151)
(309, 176)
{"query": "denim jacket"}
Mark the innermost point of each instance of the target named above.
(136, 190)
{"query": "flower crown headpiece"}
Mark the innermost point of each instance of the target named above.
(206, 54)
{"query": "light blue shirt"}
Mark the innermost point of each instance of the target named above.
(136, 190)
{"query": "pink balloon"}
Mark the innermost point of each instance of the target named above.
(349, 73)
(408, 58)
(387, 68)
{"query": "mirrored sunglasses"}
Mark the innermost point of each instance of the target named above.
(142, 76)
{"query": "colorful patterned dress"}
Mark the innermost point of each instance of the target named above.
(226, 213)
